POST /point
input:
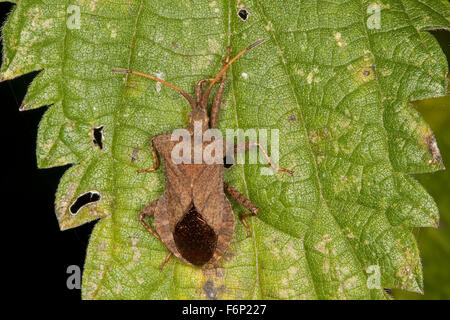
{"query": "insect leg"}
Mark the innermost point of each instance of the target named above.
(248, 145)
(165, 260)
(199, 89)
(243, 201)
(149, 211)
(155, 159)
(218, 97)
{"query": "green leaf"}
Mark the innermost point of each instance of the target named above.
(434, 244)
(337, 89)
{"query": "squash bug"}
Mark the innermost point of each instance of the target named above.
(193, 218)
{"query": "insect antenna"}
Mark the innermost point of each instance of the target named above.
(208, 90)
(186, 95)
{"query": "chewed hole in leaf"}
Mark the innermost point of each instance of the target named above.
(98, 137)
(243, 14)
(84, 199)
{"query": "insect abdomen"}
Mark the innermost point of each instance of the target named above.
(195, 239)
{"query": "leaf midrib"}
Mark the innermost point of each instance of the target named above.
(244, 177)
(113, 138)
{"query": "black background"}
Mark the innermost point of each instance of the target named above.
(35, 252)
(38, 253)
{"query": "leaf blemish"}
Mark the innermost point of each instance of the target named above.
(134, 154)
(292, 272)
(366, 74)
(93, 4)
(211, 290)
(434, 150)
(83, 200)
(310, 78)
(338, 37)
(214, 276)
(102, 246)
(350, 283)
(213, 45)
(322, 245)
(118, 289)
(137, 253)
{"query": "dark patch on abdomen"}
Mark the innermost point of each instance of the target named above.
(195, 239)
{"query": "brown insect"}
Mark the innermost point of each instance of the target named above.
(193, 218)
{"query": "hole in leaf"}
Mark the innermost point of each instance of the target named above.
(84, 199)
(228, 161)
(243, 14)
(98, 137)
